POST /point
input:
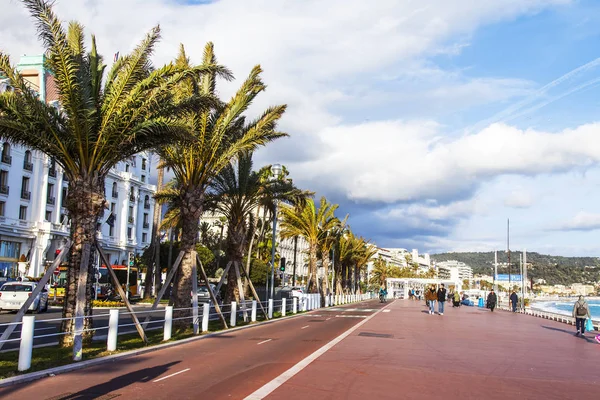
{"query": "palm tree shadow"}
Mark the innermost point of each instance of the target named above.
(120, 382)
(589, 338)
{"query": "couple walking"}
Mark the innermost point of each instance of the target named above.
(432, 295)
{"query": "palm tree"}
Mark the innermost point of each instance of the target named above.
(365, 252)
(327, 240)
(220, 134)
(235, 193)
(309, 222)
(381, 271)
(104, 118)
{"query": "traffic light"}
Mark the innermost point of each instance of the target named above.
(131, 259)
(282, 264)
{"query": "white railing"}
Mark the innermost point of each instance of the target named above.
(274, 308)
(549, 315)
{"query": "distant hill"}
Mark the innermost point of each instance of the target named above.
(556, 270)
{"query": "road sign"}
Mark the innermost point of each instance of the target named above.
(56, 272)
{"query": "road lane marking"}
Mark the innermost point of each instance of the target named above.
(305, 327)
(264, 341)
(269, 387)
(168, 376)
(351, 316)
(387, 310)
(328, 319)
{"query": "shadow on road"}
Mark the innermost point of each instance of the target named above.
(143, 376)
(589, 338)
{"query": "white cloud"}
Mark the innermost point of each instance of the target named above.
(582, 221)
(519, 199)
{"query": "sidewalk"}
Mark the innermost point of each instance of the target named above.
(469, 353)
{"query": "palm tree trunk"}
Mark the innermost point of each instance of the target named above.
(236, 238)
(191, 211)
(85, 203)
(312, 268)
(249, 259)
(154, 270)
(324, 283)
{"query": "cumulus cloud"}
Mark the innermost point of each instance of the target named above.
(582, 221)
(519, 199)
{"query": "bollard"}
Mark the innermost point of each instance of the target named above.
(233, 316)
(168, 322)
(253, 314)
(113, 330)
(26, 347)
(295, 305)
(327, 301)
(283, 305)
(205, 315)
(270, 312)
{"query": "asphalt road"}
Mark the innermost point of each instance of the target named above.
(231, 365)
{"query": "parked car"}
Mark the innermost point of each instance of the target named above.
(204, 295)
(14, 294)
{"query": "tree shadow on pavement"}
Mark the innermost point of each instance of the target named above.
(98, 391)
(589, 338)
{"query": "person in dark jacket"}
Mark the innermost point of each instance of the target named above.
(514, 299)
(441, 298)
(492, 299)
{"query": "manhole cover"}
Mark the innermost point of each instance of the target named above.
(376, 335)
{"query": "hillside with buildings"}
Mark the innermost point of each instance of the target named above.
(554, 270)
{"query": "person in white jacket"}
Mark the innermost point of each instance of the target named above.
(581, 312)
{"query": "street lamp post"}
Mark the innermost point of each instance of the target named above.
(276, 171)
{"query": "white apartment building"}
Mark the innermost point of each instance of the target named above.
(33, 219)
(399, 257)
(454, 271)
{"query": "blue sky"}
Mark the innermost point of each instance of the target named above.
(431, 124)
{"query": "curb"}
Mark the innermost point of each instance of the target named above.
(96, 361)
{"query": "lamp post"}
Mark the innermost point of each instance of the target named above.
(276, 171)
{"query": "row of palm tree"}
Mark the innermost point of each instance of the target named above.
(207, 143)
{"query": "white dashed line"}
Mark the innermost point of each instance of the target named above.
(387, 310)
(304, 327)
(264, 341)
(168, 376)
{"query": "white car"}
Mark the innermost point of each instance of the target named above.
(14, 294)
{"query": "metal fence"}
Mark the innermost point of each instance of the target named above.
(198, 319)
(548, 315)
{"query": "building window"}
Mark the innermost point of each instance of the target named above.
(143, 164)
(63, 197)
(2, 207)
(6, 157)
(144, 237)
(23, 212)
(129, 233)
(27, 162)
(115, 193)
(113, 207)
(111, 231)
(3, 182)
(147, 202)
(143, 178)
(132, 194)
(126, 167)
(52, 169)
(25, 193)
(146, 222)
(130, 219)
(48, 215)
(62, 219)
(50, 199)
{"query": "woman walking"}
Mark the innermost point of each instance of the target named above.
(431, 297)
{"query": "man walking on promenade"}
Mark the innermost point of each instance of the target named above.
(441, 298)
(513, 301)
(431, 297)
(581, 311)
(492, 299)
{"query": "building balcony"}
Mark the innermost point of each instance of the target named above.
(52, 172)
(4, 190)
(27, 166)
(146, 225)
(130, 220)
(50, 200)
(25, 194)
(6, 159)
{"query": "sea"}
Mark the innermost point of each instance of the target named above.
(566, 307)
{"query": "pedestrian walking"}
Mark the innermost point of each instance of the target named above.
(441, 298)
(431, 297)
(492, 299)
(514, 299)
(581, 312)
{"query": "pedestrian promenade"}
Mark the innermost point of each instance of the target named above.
(468, 353)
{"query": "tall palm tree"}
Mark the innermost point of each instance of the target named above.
(236, 193)
(365, 252)
(327, 240)
(309, 222)
(104, 118)
(220, 134)
(381, 271)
